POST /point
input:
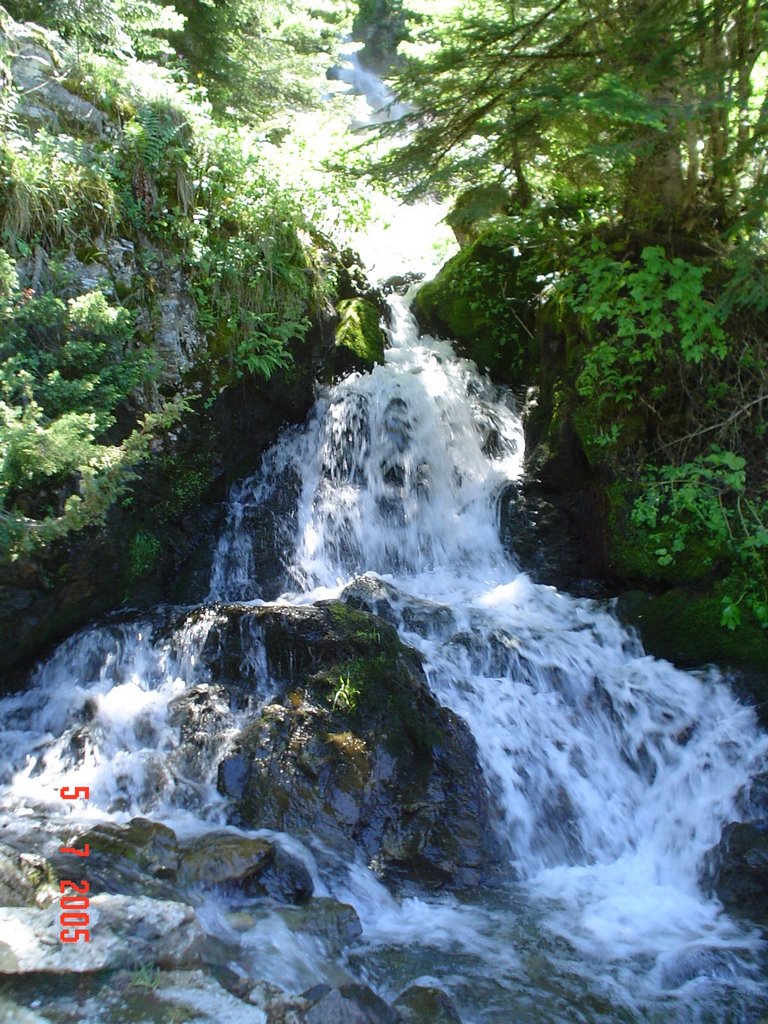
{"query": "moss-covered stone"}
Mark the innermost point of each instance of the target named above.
(474, 207)
(683, 625)
(359, 337)
(483, 298)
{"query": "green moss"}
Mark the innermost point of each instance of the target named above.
(483, 299)
(684, 626)
(359, 331)
(475, 206)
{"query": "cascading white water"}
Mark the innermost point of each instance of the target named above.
(612, 772)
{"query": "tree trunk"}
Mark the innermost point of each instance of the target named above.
(656, 194)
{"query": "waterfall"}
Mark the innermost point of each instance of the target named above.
(612, 773)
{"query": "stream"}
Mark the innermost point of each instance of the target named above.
(612, 772)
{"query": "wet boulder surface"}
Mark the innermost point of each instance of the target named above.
(736, 869)
(353, 748)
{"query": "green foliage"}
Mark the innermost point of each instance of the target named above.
(200, 201)
(651, 313)
(52, 191)
(251, 261)
(260, 58)
(660, 105)
(485, 295)
(143, 554)
(100, 484)
(708, 497)
(64, 369)
(134, 26)
(347, 694)
(672, 384)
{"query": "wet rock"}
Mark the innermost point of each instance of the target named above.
(424, 1004)
(203, 717)
(201, 998)
(151, 847)
(698, 961)
(400, 283)
(335, 924)
(356, 750)
(738, 868)
(254, 867)
(351, 1004)
(369, 594)
(130, 930)
(287, 1011)
(26, 880)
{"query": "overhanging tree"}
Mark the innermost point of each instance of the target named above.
(662, 101)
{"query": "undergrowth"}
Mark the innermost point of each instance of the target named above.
(82, 398)
(675, 374)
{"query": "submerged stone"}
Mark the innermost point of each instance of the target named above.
(424, 1004)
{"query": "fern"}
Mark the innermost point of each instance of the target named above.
(151, 132)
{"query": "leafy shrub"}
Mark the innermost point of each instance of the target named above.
(689, 358)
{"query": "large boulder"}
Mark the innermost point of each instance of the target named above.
(354, 749)
(476, 206)
(254, 867)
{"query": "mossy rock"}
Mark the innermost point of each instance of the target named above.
(355, 750)
(632, 550)
(484, 299)
(475, 206)
(683, 626)
(359, 337)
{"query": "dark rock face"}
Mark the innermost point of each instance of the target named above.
(356, 750)
(738, 868)
(553, 537)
